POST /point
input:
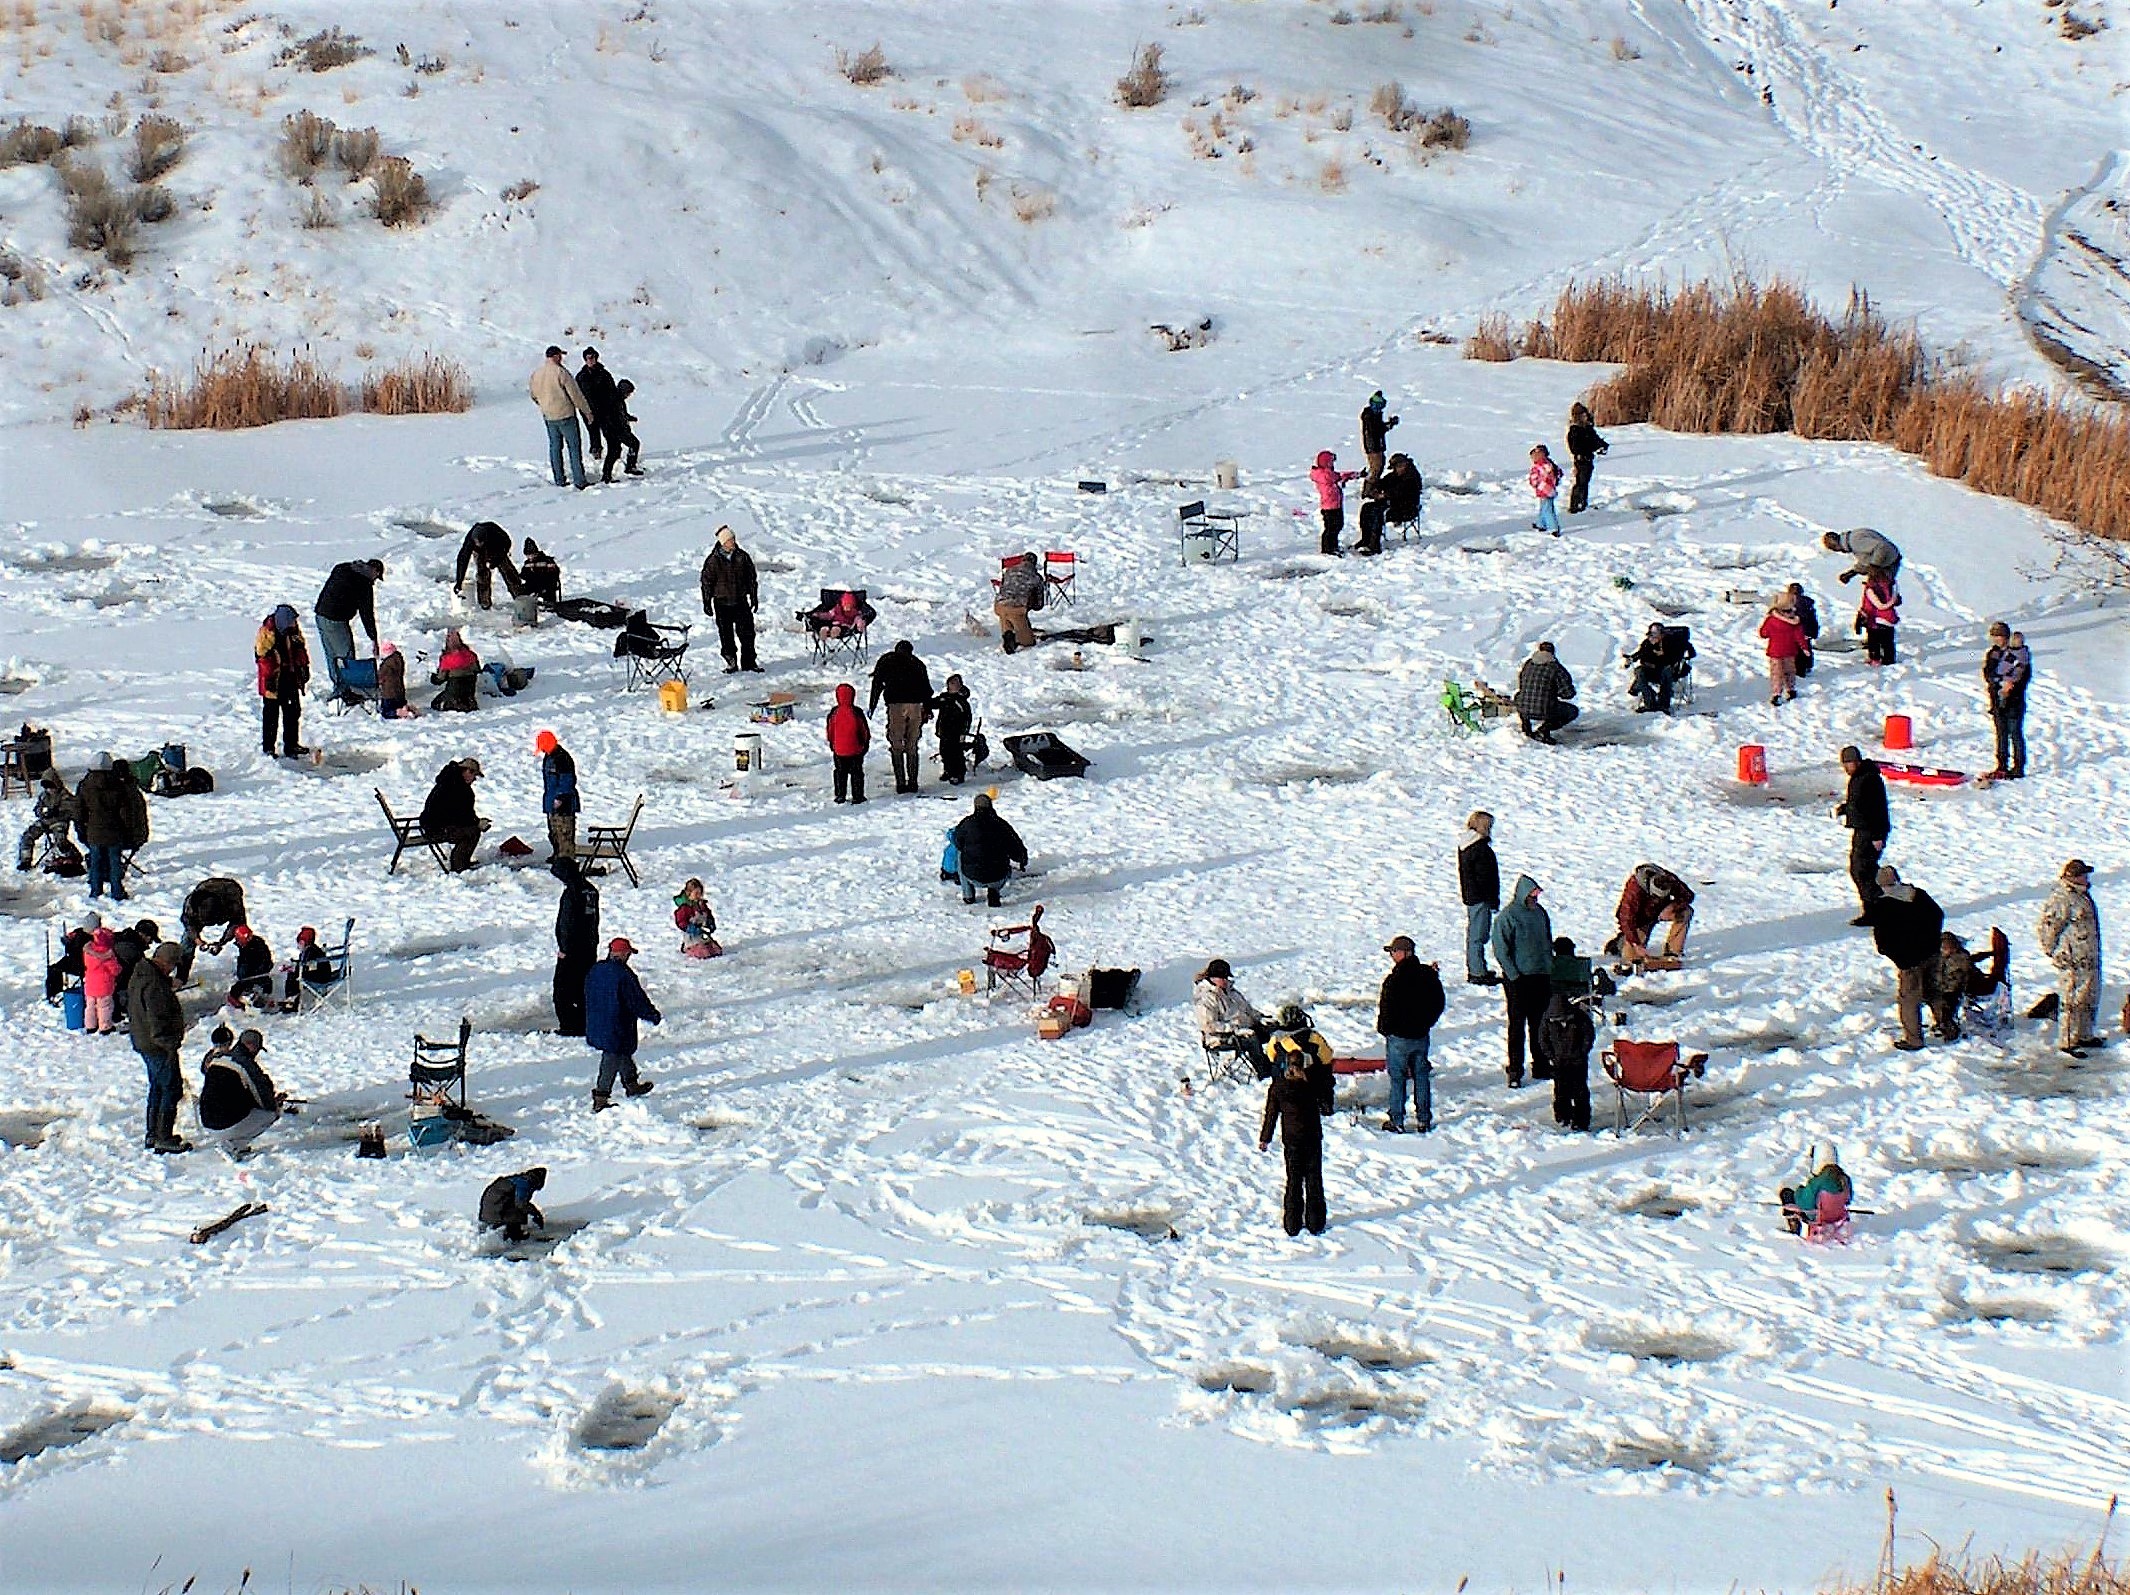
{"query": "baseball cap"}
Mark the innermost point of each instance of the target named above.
(1400, 944)
(618, 946)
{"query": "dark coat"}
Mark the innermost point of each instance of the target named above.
(952, 717)
(255, 959)
(1297, 1108)
(614, 1000)
(1541, 686)
(1863, 807)
(284, 669)
(450, 804)
(152, 1011)
(1411, 1000)
(1584, 443)
(577, 918)
(232, 1088)
(1401, 495)
(1808, 617)
(350, 594)
(486, 541)
(1479, 874)
(596, 383)
(1906, 929)
(1567, 1032)
(110, 809)
(899, 677)
(507, 1203)
(729, 578)
(988, 847)
(1375, 429)
(217, 900)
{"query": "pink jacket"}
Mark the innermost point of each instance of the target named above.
(1330, 482)
(1880, 605)
(99, 968)
(1545, 478)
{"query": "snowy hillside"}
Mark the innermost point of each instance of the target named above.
(877, 1289)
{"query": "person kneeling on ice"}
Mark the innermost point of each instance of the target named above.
(458, 672)
(507, 1204)
(237, 1097)
(253, 986)
(613, 1001)
(695, 922)
(392, 685)
(1823, 1199)
(1294, 1105)
(986, 850)
(1653, 896)
(1567, 1033)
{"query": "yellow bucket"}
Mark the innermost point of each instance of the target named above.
(967, 980)
(673, 697)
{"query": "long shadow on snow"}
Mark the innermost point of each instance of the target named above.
(1811, 930)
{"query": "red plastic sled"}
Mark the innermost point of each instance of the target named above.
(1923, 775)
(1356, 1065)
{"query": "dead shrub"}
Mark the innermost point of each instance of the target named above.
(982, 89)
(1399, 114)
(419, 385)
(968, 130)
(2075, 27)
(158, 145)
(1492, 339)
(1332, 179)
(1622, 50)
(19, 279)
(153, 203)
(523, 189)
(306, 144)
(2071, 1572)
(867, 68)
(78, 132)
(399, 197)
(322, 51)
(1445, 130)
(244, 387)
(100, 218)
(355, 151)
(168, 62)
(1146, 84)
(319, 212)
(28, 144)
(1032, 205)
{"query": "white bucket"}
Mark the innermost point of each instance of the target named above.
(746, 751)
(1226, 475)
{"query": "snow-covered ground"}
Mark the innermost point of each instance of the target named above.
(892, 1278)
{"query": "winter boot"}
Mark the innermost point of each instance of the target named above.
(601, 1102)
(640, 1088)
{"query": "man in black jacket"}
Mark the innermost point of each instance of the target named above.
(576, 944)
(1905, 925)
(158, 1026)
(900, 677)
(349, 595)
(487, 550)
(731, 597)
(217, 900)
(1543, 688)
(986, 849)
(1406, 1010)
(596, 383)
(111, 818)
(1864, 810)
(449, 815)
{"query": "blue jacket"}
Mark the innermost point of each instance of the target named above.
(613, 1002)
(1523, 934)
(558, 783)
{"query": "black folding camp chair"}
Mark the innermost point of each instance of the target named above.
(652, 653)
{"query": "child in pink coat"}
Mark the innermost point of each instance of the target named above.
(1331, 497)
(1546, 483)
(99, 985)
(1878, 612)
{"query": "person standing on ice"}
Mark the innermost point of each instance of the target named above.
(283, 668)
(349, 595)
(2069, 933)
(1523, 947)
(111, 818)
(1330, 483)
(1584, 446)
(2006, 670)
(900, 677)
(596, 383)
(1375, 437)
(1906, 923)
(951, 719)
(1784, 634)
(1878, 612)
(561, 401)
(576, 943)
(1020, 589)
(1545, 479)
(1543, 691)
(731, 595)
(157, 1023)
(559, 799)
(1294, 1107)
(1807, 621)
(1407, 1007)
(613, 1001)
(848, 738)
(1873, 553)
(1865, 811)
(1479, 885)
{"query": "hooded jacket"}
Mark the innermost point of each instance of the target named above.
(1650, 890)
(1523, 934)
(110, 810)
(1785, 635)
(577, 915)
(848, 734)
(1880, 604)
(152, 1011)
(1545, 478)
(613, 1001)
(558, 782)
(99, 967)
(284, 663)
(987, 846)
(951, 717)
(1330, 482)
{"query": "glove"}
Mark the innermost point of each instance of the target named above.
(1846, 576)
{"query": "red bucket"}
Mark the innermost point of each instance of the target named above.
(1900, 733)
(1753, 764)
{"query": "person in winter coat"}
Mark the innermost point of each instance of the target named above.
(1295, 1040)
(1479, 887)
(596, 383)
(540, 574)
(2006, 670)
(392, 684)
(132, 943)
(1407, 1006)
(1545, 479)
(487, 550)
(1375, 434)
(1396, 502)
(848, 738)
(1523, 947)
(99, 983)
(349, 595)
(458, 672)
(311, 969)
(253, 983)
(621, 433)
(1906, 923)
(731, 596)
(158, 1026)
(1785, 635)
(613, 1001)
(65, 972)
(1800, 1205)
(1956, 980)
(1543, 691)
(111, 818)
(1584, 446)
(50, 820)
(576, 943)
(1659, 661)
(561, 402)
(238, 1099)
(1872, 552)
(1294, 1106)
(507, 1204)
(217, 901)
(448, 814)
(900, 678)
(1330, 483)
(951, 722)
(1653, 896)
(697, 924)
(1568, 1033)
(283, 667)
(1227, 1022)
(2069, 933)
(1020, 590)
(1865, 811)
(1878, 612)
(558, 795)
(986, 848)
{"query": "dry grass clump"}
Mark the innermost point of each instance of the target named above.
(355, 151)
(1146, 84)
(158, 145)
(323, 51)
(399, 197)
(1332, 179)
(1622, 50)
(168, 62)
(306, 144)
(29, 144)
(1445, 130)
(1753, 358)
(319, 212)
(867, 68)
(971, 130)
(2071, 1572)
(424, 385)
(523, 189)
(20, 279)
(244, 387)
(1032, 205)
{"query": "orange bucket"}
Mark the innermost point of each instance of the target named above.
(1753, 764)
(1900, 733)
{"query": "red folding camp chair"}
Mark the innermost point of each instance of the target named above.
(1061, 574)
(1653, 1071)
(1018, 956)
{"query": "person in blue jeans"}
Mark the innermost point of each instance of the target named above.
(614, 1000)
(1406, 1012)
(1479, 885)
(561, 402)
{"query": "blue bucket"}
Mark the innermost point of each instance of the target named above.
(74, 1008)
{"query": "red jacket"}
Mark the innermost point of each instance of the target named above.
(1648, 892)
(1785, 635)
(848, 734)
(1545, 478)
(1880, 605)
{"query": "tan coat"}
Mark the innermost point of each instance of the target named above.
(555, 391)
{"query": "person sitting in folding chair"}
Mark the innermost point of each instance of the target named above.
(238, 1101)
(1660, 662)
(1963, 993)
(1227, 1022)
(310, 967)
(253, 985)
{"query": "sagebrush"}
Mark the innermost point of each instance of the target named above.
(1147, 83)
(422, 385)
(866, 68)
(399, 196)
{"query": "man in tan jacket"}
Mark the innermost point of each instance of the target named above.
(555, 391)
